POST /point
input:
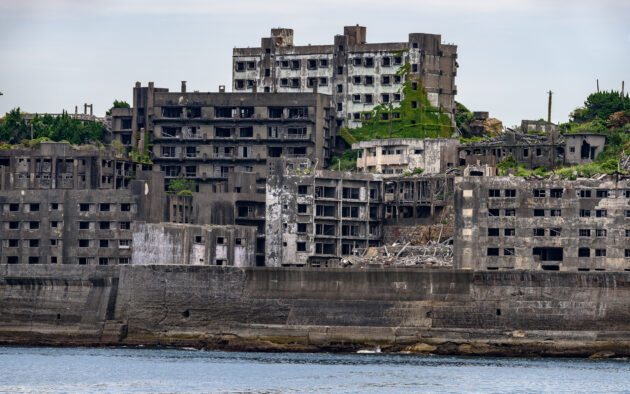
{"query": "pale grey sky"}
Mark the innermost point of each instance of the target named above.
(55, 54)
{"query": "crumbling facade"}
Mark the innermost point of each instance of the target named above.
(62, 205)
(208, 136)
(504, 223)
(324, 215)
(170, 243)
(533, 150)
(400, 155)
(356, 74)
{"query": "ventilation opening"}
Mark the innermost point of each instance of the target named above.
(186, 313)
(551, 268)
(498, 312)
(476, 173)
(58, 316)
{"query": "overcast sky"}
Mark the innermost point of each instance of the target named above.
(55, 54)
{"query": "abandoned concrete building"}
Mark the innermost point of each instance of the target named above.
(208, 136)
(170, 243)
(72, 206)
(399, 155)
(533, 150)
(356, 74)
(539, 126)
(327, 214)
(516, 223)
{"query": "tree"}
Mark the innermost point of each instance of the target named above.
(600, 106)
(182, 186)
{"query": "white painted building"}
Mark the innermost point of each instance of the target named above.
(399, 155)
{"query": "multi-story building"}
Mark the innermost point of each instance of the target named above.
(533, 150)
(328, 214)
(208, 136)
(356, 74)
(516, 223)
(62, 205)
(400, 155)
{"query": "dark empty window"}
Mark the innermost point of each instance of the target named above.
(33, 243)
(103, 243)
(84, 207)
(33, 207)
(540, 193)
(555, 193)
(104, 207)
(494, 193)
(510, 212)
(302, 208)
(84, 225)
(539, 232)
(301, 246)
(510, 192)
(584, 232)
(84, 243)
(302, 189)
(493, 232)
(14, 225)
(600, 252)
(492, 252)
(493, 212)
(601, 213)
(14, 207)
(301, 227)
(104, 225)
(509, 232)
(125, 207)
(33, 225)
(585, 213)
(584, 252)
(539, 212)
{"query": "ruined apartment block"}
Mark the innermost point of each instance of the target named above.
(62, 205)
(504, 223)
(208, 136)
(548, 151)
(400, 155)
(170, 243)
(356, 74)
(316, 218)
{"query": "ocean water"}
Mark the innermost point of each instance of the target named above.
(170, 370)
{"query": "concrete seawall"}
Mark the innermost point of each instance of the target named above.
(285, 309)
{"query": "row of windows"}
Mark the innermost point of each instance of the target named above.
(553, 232)
(558, 193)
(82, 225)
(80, 260)
(582, 252)
(83, 243)
(584, 213)
(33, 207)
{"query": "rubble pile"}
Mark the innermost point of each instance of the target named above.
(432, 254)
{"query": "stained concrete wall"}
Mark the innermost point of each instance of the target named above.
(320, 309)
(170, 243)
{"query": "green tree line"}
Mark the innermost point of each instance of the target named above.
(14, 129)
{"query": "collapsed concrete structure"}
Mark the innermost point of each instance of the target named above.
(534, 150)
(315, 218)
(357, 75)
(400, 155)
(505, 223)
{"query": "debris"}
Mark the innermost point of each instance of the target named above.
(431, 254)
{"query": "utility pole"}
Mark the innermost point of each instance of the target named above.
(597, 85)
(549, 108)
(622, 88)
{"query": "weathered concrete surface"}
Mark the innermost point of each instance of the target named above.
(283, 309)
